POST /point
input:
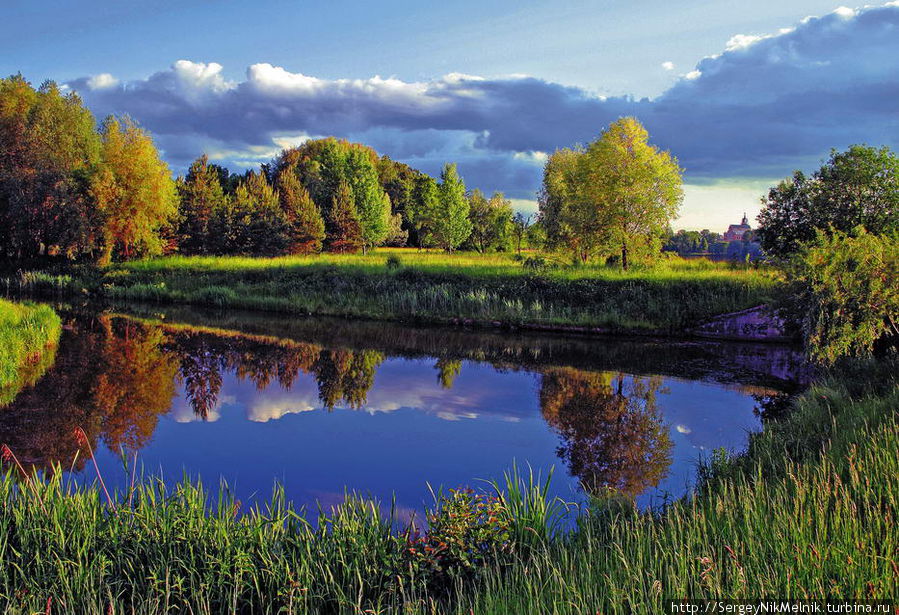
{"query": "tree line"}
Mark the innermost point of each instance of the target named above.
(71, 188)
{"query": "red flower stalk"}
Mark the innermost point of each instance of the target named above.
(9, 457)
(82, 441)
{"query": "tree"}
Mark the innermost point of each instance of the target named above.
(306, 225)
(618, 194)
(49, 153)
(635, 188)
(845, 293)
(857, 187)
(423, 210)
(569, 226)
(520, 225)
(135, 192)
(491, 221)
(260, 225)
(201, 194)
(345, 232)
(450, 225)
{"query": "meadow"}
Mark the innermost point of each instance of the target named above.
(413, 286)
(29, 335)
(809, 510)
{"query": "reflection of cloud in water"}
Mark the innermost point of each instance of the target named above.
(182, 411)
(400, 384)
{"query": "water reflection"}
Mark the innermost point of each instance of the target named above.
(613, 435)
(115, 377)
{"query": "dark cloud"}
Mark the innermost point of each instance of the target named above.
(762, 107)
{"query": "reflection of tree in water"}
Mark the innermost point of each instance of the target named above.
(346, 375)
(447, 372)
(110, 379)
(612, 432)
(135, 383)
(341, 375)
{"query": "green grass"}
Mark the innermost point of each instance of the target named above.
(809, 511)
(29, 335)
(433, 287)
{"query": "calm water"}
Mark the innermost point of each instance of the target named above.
(324, 406)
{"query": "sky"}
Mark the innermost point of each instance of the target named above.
(741, 93)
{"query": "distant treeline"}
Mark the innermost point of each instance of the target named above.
(73, 189)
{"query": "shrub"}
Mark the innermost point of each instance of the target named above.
(846, 293)
(393, 262)
(467, 531)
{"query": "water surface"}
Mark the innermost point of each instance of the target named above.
(324, 406)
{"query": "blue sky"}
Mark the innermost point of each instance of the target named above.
(742, 93)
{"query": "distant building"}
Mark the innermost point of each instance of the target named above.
(735, 232)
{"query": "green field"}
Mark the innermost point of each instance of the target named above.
(810, 510)
(28, 337)
(407, 285)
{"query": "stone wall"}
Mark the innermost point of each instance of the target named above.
(757, 324)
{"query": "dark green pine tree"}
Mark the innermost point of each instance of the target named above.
(345, 230)
(201, 194)
(306, 224)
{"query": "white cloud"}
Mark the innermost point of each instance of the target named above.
(741, 41)
(668, 65)
(693, 74)
(102, 81)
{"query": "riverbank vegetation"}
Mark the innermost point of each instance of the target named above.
(29, 335)
(786, 518)
(403, 284)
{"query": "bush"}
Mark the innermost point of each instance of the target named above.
(846, 293)
(467, 531)
(394, 262)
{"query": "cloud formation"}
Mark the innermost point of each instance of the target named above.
(763, 106)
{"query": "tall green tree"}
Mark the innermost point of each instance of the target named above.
(422, 211)
(134, 190)
(491, 222)
(618, 194)
(450, 225)
(858, 187)
(635, 188)
(201, 194)
(259, 224)
(345, 232)
(306, 225)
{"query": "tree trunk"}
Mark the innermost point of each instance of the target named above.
(624, 256)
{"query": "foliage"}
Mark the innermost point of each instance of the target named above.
(619, 193)
(345, 233)
(857, 187)
(491, 222)
(306, 227)
(201, 194)
(49, 154)
(466, 532)
(134, 191)
(845, 292)
(450, 225)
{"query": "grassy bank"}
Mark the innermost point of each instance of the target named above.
(431, 287)
(28, 337)
(810, 510)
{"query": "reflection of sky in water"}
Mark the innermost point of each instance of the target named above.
(411, 432)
